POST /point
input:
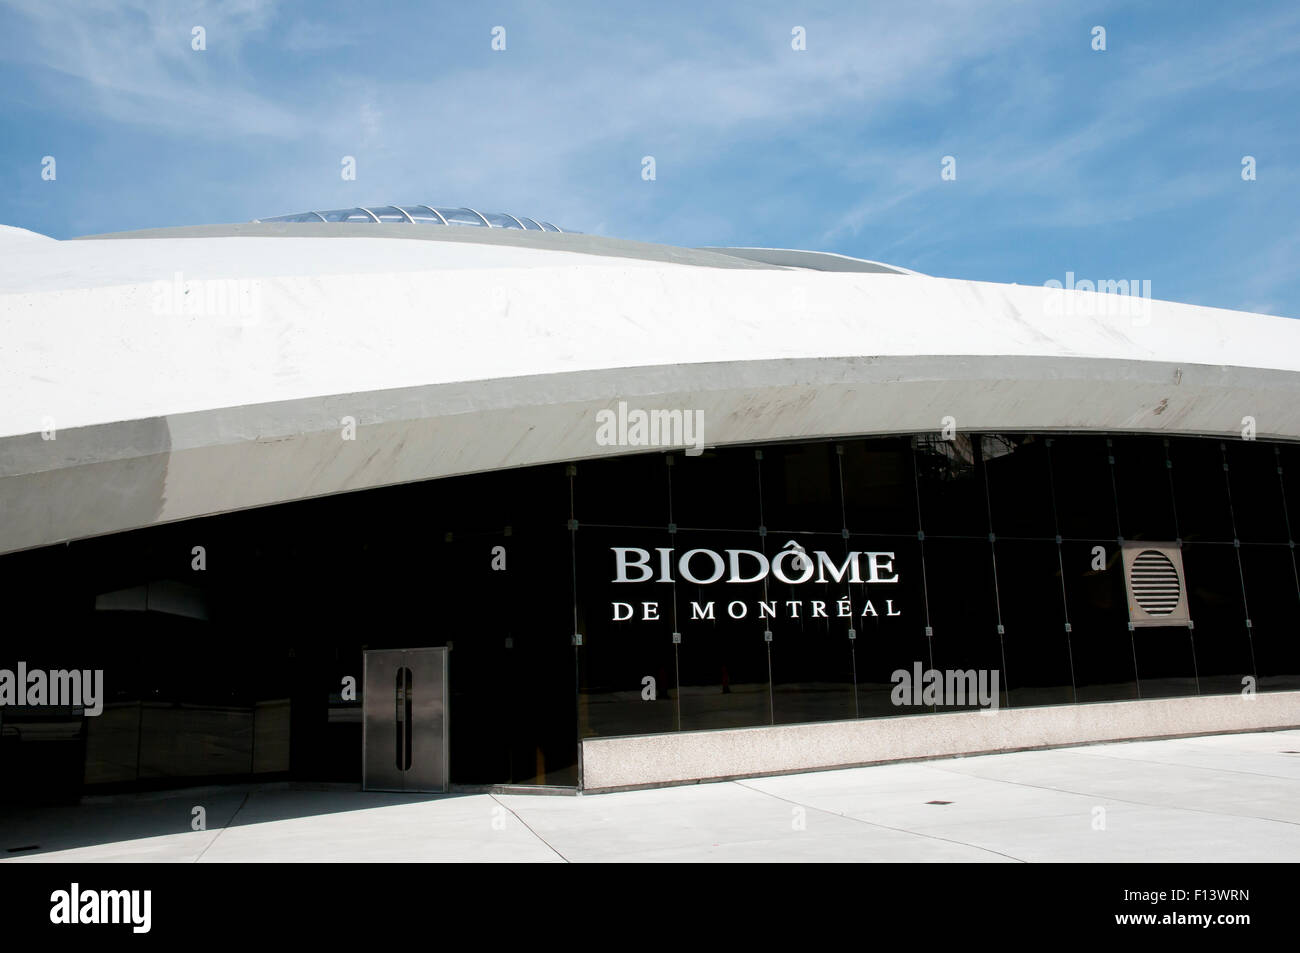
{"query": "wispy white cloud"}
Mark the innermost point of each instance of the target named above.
(828, 145)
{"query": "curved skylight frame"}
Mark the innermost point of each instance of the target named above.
(428, 208)
(454, 216)
(403, 215)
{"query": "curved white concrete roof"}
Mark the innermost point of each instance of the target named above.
(465, 352)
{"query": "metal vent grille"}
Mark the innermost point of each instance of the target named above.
(1157, 588)
(1155, 583)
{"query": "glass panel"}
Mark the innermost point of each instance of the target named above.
(530, 224)
(1289, 459)
(421, 215)
(1166, 662)
(801, 488)
(547, 226)
(300, 217)
(536, 591)
(489, 738)
(951, 483)
(697, 502)
(812, 655)
(513, 690)
(879, 486)
(1085, 496)
(1144, 491)
(1273, 594)
(346, 215)
(461, 216)
(1039, 666)
(627, 636)
(963, 613)
(1214, 597)
(724, 659)
(498, 220)
(624, 491)
(889, 619)
(1256, 487)
(1100, 641)
(256, 688)
(1018, 470)
(387, 213)
(1201, 490)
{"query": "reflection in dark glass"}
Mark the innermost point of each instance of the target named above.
(801, 488)
(1289, 460)
(1017, 468)
(1143, 490)
(887, 643)
(1085, 496)
(716, 490)
(238, 671)
(1273, 595)
(724, 660)
(1100, 640)
(1256, 487)
(879, 488)
(963, 611)
(1166, 663)
(627, 638)
(1039, 667)
(950, 479)
(812, 655)
(1214, 598)
(513, 698)
(623, 491)
(1200, 490)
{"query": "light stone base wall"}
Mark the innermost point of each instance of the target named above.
(689, 756)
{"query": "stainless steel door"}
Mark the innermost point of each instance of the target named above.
(404, 736)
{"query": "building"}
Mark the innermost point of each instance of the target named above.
(664, 514)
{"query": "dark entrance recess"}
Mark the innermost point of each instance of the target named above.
(1006, 547)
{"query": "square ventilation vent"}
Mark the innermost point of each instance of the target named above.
(1154, 581)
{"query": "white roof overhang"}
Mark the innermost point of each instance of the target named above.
(457, 357)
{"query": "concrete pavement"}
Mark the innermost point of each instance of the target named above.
(1213, 798)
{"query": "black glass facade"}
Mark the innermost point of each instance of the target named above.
(757, 586)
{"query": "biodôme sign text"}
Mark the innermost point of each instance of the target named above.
(792, 565)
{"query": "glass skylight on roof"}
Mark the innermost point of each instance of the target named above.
(423, 214)
(499, 220)
(341, 215)
(419, 215)
(387, 213)
(462, 216)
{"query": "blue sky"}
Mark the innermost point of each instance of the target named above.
(1117, 164)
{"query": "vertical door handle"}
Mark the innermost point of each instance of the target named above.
(402, 718)
(399, 721)
(410, 726)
